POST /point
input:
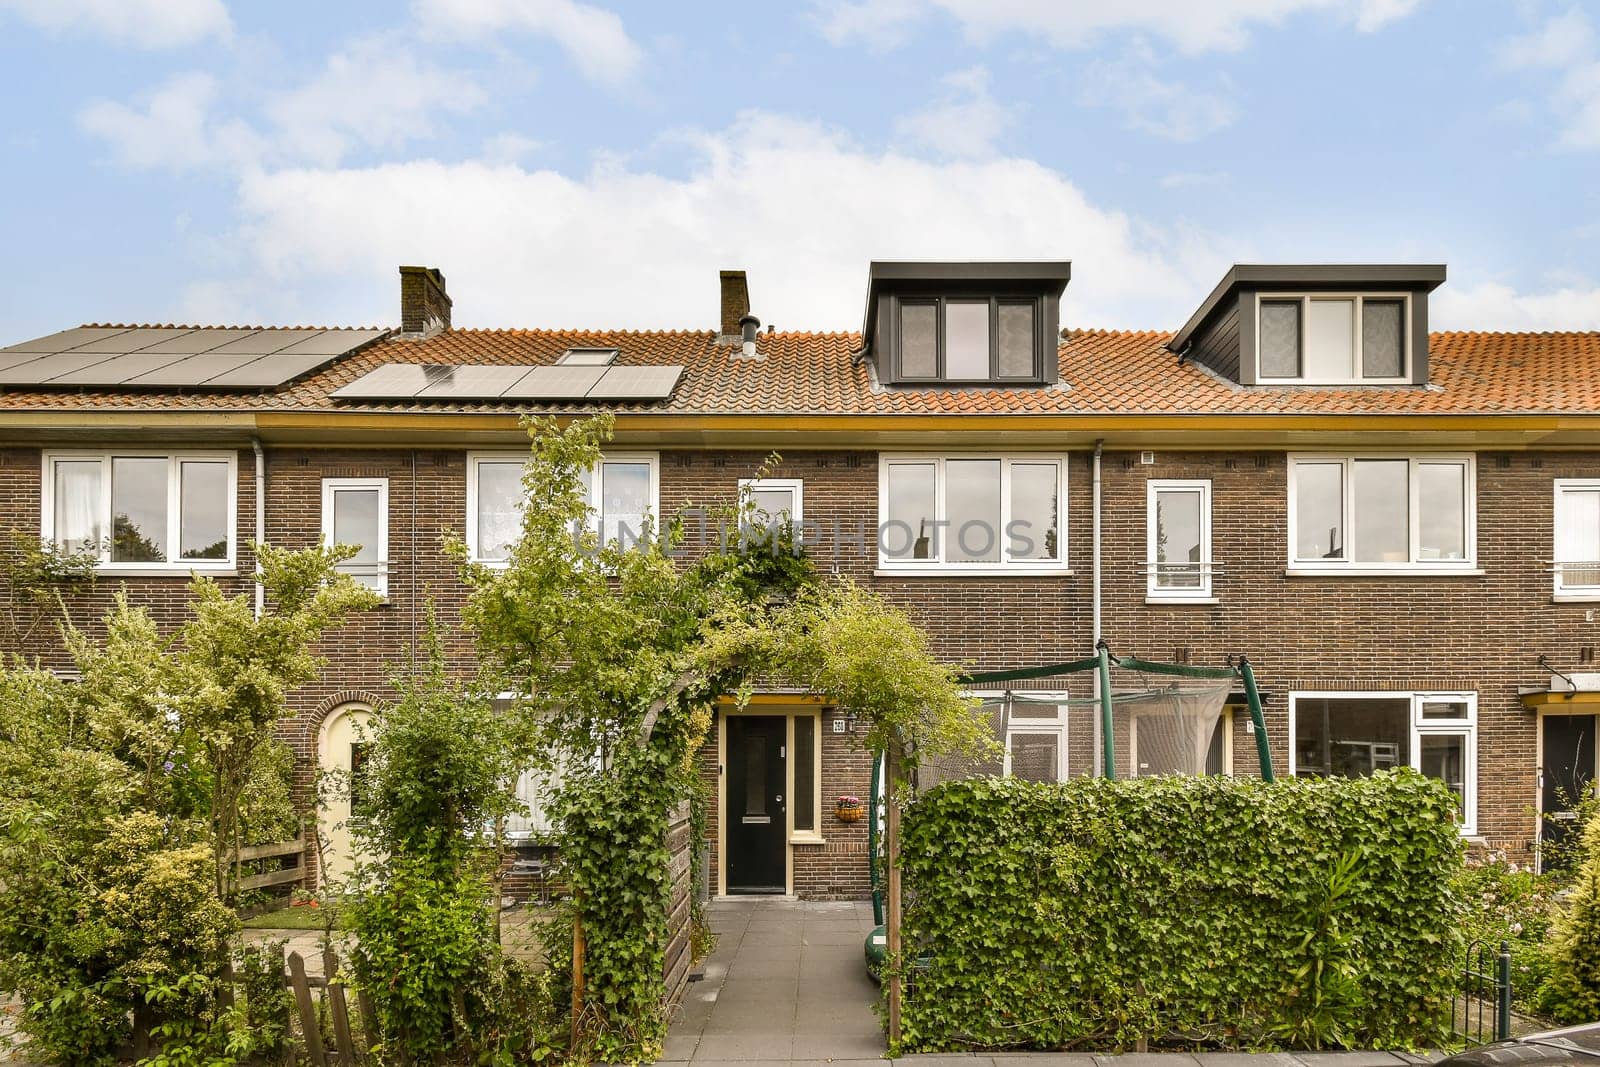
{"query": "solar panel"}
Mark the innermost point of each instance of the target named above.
(265, 372)
(332, 343)
(13, 359)
(191, 370)
(473, 382)
(265, 342)
(392, 381)
(41, 370)
(65, 339)
(555, 383)
(132, 340)
(202, 340)
(116, 370)
(636, 383)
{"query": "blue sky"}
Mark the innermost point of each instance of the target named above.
(593, 164)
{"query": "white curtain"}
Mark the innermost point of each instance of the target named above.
(78, 511)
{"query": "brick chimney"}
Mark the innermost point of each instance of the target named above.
(735, 305)
(424, 304)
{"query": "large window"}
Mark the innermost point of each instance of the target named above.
(355, 511)
(1178, 535)
(140, 510)
(1381, 512)
(1334, 339)
(1354, 734)
(1577, 538)
(969, 339)
(1036, 739)
(971, 512)
(622, 492)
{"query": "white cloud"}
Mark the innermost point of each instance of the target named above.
(509, 147)
(1166, 108)
(802, 208)
(594, 38)
(143, 23)
(172, 128)
(373, 94)
(1496, 306)
(1192, 27)
(964, 122)
(1565, 47)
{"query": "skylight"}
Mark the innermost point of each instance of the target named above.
(588, 357)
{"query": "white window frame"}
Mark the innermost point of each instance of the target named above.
(812, 836)
(175, 461)
(792, 485)
(652, 459)
(1006, 565)
(1418, 728)
(1155, 592)
(1056, 724)
(1415, 565)
(1564, 591)
(373, 575)
(1356, 378)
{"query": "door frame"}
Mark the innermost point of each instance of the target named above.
(1565, 710)
(323, 825)
(773, 705)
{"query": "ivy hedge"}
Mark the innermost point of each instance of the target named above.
(1181, 911)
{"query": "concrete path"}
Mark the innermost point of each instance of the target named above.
(787, 984)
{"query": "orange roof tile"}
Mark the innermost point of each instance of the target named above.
(1102, 372)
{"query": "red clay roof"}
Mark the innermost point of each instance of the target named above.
(1102, 372)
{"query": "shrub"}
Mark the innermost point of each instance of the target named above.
(1571, 992)
(1506, 902)
(1183, 911)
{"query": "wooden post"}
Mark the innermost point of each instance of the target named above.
(339, 1009)
(892, 864)
(577, 978)
(308, 1011)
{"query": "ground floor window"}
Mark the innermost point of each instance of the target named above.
(1355, 734)
(1036, 738)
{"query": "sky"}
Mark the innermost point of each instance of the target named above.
(589, 164)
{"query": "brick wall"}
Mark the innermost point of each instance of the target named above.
(1347, 633)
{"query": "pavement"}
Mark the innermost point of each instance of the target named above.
(787, 985)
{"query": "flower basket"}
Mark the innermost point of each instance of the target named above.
(849, 809)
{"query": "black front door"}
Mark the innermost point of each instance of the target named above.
(1567, 775)
(756, 830)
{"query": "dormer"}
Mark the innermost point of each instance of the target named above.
(1315, 324)
(964, 324)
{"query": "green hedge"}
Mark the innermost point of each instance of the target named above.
(1183, 911)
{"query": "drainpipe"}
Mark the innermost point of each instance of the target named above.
(261, 520)
(1094, 596)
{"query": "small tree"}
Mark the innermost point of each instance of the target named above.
(1571, 992)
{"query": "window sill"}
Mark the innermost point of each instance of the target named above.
(1576, 598)
(1383, 572)
(1181, 601)
(223, 571)
(954, 570)
(807, 839)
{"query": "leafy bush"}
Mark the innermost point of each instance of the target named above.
(1505, 902)
(1183, 911)
(1571, 992)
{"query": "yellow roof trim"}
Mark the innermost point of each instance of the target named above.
(1559, 699)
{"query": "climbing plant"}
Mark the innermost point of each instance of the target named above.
(616, 653)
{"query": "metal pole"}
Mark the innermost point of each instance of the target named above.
(1253, 697)
(1108, 746)
(874, 875)
(1502, 994)
(892, 863)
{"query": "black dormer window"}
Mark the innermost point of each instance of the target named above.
(962, 339)
(965, 324)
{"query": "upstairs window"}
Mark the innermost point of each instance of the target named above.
(1381, 512)
(1178, 530)
(970, 513)
(621, 489)
(355, 511)
(139, 510)
(969, 339)
(1334, 339)
(1577, 538)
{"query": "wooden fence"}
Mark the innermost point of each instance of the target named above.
(351, 1043)
(294, 874)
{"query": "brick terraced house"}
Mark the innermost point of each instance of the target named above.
(1401, 528)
